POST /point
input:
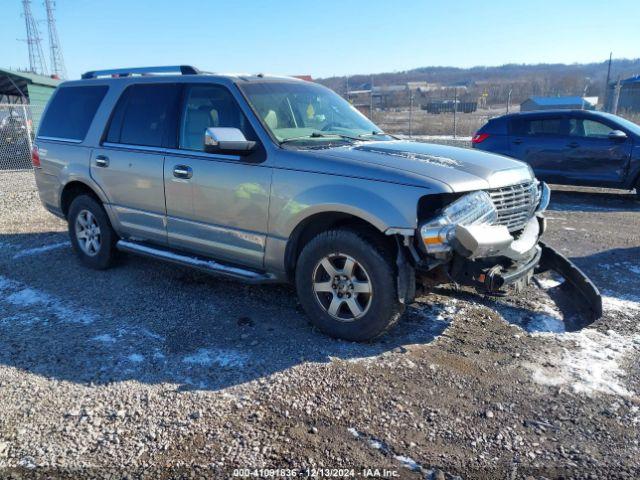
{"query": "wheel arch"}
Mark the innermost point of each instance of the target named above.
(319, 222)
(73, 189)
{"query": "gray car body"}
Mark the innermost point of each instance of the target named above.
(247, 213)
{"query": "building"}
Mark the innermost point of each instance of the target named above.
(555, 103)
(628, 96)
(22, 87)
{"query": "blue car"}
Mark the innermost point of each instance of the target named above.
(569, 147)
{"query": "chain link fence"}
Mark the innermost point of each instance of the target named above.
(17, 131)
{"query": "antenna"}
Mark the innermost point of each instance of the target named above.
(37, 62)
(57, 60)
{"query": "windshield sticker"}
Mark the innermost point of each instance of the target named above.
(420, 157)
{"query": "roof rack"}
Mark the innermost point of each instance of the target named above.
(126, 72)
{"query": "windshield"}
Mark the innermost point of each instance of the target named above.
(306, 111)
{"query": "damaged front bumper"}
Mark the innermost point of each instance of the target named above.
(490, 260)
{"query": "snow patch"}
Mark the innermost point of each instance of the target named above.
(590, 364)
(22, 296)
(38, 250)
(206, 357)
(104, 338)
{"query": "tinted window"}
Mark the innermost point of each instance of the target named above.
(540, 126)
(71, 112)
(145, 115)
(209, 106)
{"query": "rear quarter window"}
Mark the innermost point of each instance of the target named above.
(71, 111)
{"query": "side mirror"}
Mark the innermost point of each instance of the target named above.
(617, 135)
(227, 140)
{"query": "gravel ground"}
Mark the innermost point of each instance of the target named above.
(148, 370)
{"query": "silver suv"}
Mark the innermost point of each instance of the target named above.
(275, 179)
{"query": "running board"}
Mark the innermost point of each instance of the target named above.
(199, 263)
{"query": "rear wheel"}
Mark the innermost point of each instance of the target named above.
(638, 189)
(347, 285)
(92, 237)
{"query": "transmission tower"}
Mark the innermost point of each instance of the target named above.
(37, 63)
(57, 60)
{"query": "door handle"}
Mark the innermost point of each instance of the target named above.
(573, 145)
(517, 141)
(102, 161)
(182, 171)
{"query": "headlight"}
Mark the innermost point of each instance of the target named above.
(472, 209)
(544, 196)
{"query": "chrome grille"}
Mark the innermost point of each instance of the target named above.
(515, 204)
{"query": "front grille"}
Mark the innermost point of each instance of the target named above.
(515, 204)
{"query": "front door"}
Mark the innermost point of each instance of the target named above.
(217, 205)
(593, 158)
(129, 166)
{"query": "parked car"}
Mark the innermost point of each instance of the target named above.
(569, 147)
(268, 179)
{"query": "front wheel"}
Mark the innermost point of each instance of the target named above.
(347, 285)
(92, 237)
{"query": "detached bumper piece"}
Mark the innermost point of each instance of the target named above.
(575, 278)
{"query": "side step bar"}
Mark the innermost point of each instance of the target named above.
(199, 263)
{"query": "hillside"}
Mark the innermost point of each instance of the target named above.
(523, 80)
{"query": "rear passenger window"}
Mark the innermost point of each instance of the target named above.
(71, 111)
(540, 126)
(146, 115)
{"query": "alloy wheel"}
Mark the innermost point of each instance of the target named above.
(342, 287)
(88, 233)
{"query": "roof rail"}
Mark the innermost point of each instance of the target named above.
(126, 72)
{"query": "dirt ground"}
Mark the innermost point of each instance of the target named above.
(148, 370)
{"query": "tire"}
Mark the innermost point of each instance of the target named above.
(638, 190)
(101, 253)
(370, 287)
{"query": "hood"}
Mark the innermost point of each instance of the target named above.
(461, 169)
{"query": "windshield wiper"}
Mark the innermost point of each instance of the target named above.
(321, 135)
(374, 134)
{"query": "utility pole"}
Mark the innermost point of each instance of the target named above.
(57, 60)
(616, 98)
(410, 113)
(455, 109)
(509, 100)
(606, 85)
(37, 63)
(371, 101)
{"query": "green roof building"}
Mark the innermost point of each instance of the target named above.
(23, 87)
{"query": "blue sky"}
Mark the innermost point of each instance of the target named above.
(327, 37)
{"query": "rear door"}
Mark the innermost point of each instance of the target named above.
(541, 141)
(593, 158)
(129, 166)
(217, 204)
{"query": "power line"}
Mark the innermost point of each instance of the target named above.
(55, 50)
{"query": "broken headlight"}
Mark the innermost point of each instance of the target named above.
(472, 209)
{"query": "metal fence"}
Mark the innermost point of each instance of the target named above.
(17, 131)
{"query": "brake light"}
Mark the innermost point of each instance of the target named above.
(35, 157)
(479, 137)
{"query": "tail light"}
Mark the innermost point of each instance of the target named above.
(479, 138)
(35, 157)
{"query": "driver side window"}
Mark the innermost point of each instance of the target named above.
(208, 106)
